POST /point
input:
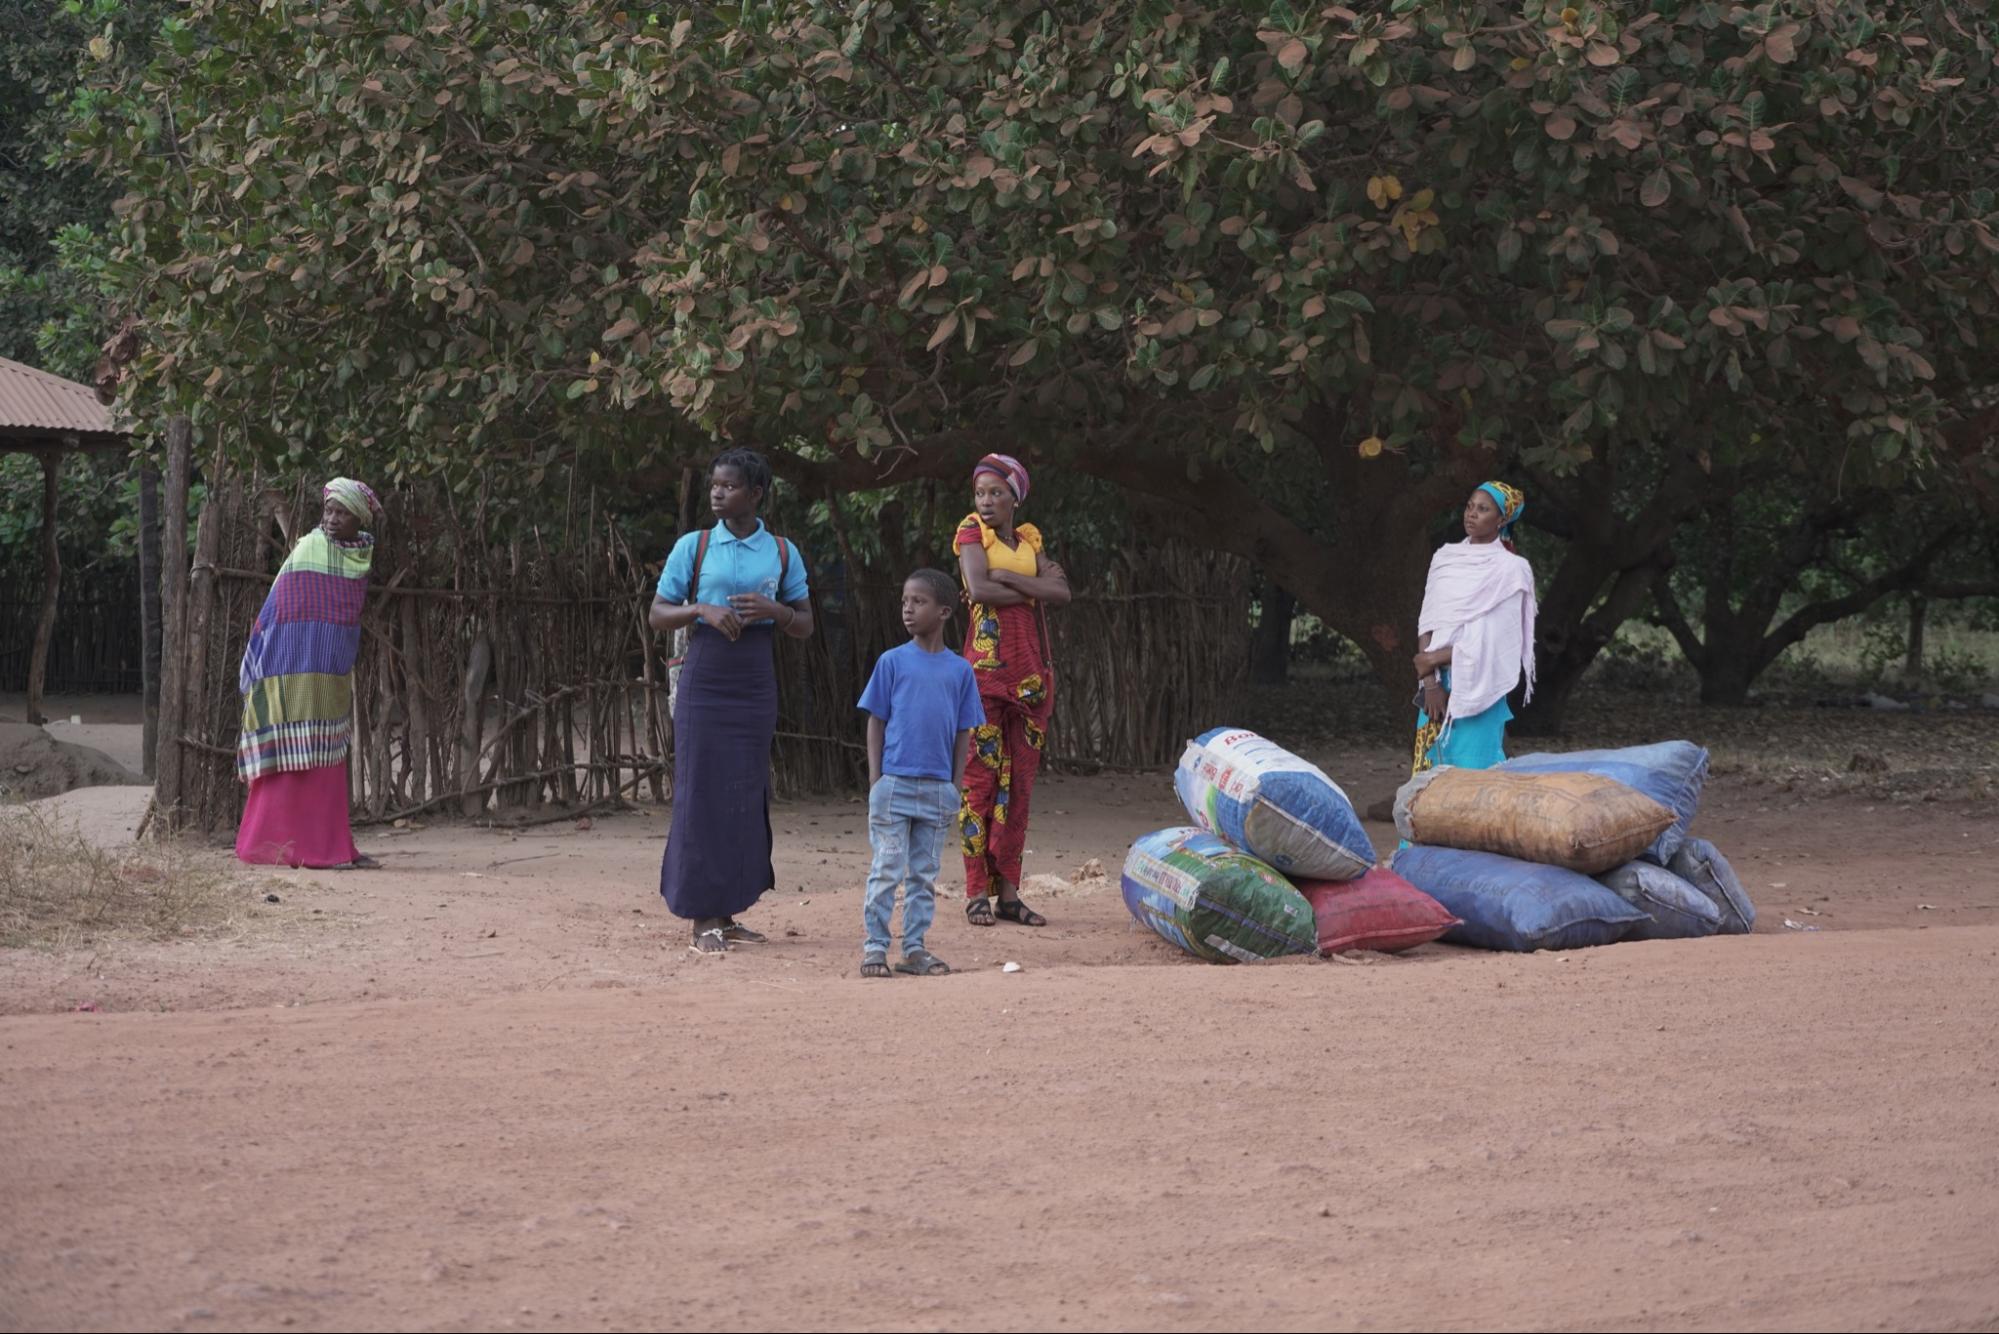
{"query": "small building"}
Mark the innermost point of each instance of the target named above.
(49, 417)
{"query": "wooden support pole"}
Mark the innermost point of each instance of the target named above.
(149, 611)
(173, 626)
(198, 795)
(45, 624)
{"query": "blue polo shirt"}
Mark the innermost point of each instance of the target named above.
(733, 565)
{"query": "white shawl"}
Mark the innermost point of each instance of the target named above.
(1479, 601)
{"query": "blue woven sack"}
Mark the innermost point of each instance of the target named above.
(1504, 904)
(1700, 864)
(1678, 910)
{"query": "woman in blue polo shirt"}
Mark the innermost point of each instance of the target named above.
(750, 583)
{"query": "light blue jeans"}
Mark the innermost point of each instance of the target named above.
(907, 821)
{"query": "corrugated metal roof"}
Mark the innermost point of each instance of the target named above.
(33, 401)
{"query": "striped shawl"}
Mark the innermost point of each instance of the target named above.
(295, 680)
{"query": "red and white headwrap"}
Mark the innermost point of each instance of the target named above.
(1009, 470)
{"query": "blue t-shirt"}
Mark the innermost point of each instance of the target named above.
(926, 699)
(733, 565)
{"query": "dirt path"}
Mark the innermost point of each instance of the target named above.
(1646, 1137)
(488, 1087)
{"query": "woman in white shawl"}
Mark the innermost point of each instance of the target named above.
(1475, 636)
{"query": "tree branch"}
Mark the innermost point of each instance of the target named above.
(1813, 614)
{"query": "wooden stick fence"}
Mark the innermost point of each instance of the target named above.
(509, 678)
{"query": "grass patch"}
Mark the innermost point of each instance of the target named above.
(58, 890)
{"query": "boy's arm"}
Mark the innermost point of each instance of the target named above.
(959, 752)
(877, 732)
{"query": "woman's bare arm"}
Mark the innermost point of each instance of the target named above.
(980, 581)
(1049, 584)
(670, 616)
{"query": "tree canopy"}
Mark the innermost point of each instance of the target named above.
(1307, 272)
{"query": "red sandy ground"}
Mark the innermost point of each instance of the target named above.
(488, 1087)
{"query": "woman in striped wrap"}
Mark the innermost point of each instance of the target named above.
(298, 693)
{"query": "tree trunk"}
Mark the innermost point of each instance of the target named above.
(1270, 647)
(1732, 667)
(1919, 615)
(149, 611)
(1362, 574)
(173, 626)
(1564, 651)
(45, 624)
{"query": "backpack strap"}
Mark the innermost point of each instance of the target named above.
(783, 562)
(694, 579)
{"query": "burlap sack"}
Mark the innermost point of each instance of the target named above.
(1579, 821)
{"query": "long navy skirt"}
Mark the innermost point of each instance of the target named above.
(717, 860)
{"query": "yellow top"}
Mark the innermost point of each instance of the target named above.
(1022, 557)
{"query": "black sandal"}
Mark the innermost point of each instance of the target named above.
(736, 933)
(875, 968)
(922, 963)
(1014, 910)
(979, 912)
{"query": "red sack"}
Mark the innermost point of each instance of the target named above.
(1379, 911)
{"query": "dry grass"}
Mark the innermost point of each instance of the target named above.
(59, 891)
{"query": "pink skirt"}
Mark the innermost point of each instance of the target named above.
(297, 818)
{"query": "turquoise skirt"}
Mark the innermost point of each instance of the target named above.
(1477, 742)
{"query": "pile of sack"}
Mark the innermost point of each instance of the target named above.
(1560, 851)
(1275, 863)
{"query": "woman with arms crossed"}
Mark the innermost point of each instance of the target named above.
(1008, 580)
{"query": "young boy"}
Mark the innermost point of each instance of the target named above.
(923, 702)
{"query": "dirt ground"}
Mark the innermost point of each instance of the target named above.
(488, 1087)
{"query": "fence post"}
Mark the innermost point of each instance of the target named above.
(45, 624)
(476, 664)
(197, 767)
(173, 626)
(149, 612)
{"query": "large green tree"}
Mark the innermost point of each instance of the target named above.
(1306, 274)
(1765, 564)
